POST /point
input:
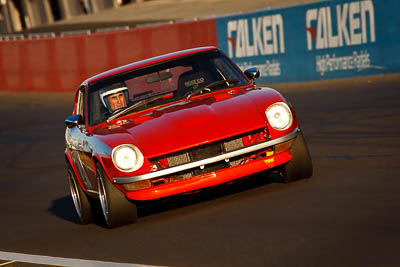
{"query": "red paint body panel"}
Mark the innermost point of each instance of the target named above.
(189, 124)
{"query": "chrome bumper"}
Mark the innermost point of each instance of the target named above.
(200, 163)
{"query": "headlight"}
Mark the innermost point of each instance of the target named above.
(127, 158)
(279, 116)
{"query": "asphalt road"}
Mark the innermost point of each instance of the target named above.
(347, 214)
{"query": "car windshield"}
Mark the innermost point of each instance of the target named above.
(161, 83)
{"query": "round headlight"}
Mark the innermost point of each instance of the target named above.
(279, 116)
(127, 158)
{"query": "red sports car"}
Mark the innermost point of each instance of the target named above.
(173, 124)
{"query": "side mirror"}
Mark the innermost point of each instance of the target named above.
(73, 121)
(252, 74)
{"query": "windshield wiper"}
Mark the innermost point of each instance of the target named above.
(136, 105)
(210, 85)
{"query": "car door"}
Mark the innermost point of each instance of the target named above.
(81, 151)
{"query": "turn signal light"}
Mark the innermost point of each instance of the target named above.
(139, 185)
(282, 147)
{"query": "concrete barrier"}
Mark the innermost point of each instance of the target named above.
(62, 63)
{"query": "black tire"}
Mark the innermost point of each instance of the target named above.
(81, 201)
(117, 209)
(300, 166)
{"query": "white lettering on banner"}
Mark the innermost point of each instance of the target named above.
(329, 63)
(267, 37)
(270, 68)
(352, 20)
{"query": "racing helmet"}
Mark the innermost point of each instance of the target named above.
(110, 90)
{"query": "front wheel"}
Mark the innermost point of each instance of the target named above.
(117, 209)
(81, 202)
(300, 166)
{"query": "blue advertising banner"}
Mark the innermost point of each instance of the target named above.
(318, 41)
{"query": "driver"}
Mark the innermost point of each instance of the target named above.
(114, 97)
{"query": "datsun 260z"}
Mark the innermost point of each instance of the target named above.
(175, 124)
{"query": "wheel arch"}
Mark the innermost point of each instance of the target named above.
(98, 160)
(69, 161)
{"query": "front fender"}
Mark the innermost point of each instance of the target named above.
(68, 158)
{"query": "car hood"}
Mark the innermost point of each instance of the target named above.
(190, 123)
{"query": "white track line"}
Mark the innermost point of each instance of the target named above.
(12, 257)
(6, 263)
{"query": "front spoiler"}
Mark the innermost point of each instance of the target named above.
(201, 163)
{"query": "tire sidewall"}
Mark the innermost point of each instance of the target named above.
(300, 166)
(81, 203)
(117, 209)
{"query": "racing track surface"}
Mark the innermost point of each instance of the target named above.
(348, 214)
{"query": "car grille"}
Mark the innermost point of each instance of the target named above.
(207, 151)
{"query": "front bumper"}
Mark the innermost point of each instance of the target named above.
(202, 163)
(210, 179)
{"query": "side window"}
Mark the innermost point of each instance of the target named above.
(80, 108)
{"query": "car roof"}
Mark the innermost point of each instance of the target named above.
(146, 62)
